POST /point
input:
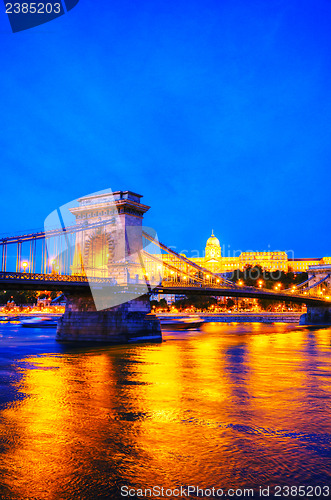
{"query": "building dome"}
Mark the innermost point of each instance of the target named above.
(213, 241)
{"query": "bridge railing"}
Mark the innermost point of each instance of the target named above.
(52, 278)
(185, 284)
(66, 278)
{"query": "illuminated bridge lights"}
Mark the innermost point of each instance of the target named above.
(179, 272)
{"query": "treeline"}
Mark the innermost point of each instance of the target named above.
(25, 297)
(252, 275)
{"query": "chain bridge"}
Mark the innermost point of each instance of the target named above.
(164, 272)
(107, 261)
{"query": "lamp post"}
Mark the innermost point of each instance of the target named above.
(55, 267)
(25, 265)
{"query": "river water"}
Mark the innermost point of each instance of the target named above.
(232, 406)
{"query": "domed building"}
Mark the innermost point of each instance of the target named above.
(213, 249)
(223, 265)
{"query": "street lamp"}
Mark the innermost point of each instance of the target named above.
(25, 265)
(55, 267)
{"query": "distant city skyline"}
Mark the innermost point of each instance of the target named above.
(217, 113)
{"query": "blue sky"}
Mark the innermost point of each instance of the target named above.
(218, 112)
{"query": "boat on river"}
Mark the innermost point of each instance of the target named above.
(39, 322)
(181, 323)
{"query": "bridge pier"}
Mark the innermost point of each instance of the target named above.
(124, 323)
(317, 315)
(109, 314)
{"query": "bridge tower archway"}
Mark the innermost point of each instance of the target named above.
(98, 253)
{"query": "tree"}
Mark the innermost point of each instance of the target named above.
(162, 304)
(198, 301)
(19, 297)
(230, 303)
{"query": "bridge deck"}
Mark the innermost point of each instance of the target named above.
(67, 283)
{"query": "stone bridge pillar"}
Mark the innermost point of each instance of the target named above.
(317, 273)
(128, 322)
(317, 316)
(111, 313)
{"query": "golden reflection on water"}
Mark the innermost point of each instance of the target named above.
(232, 405)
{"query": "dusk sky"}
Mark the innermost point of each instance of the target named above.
(218, 112)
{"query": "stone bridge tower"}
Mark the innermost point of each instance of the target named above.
(318, 315)
(111, 250)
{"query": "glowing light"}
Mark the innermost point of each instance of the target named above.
(25, 265)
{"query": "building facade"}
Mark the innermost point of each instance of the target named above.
(269, 261)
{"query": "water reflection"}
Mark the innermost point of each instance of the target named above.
(238, 370)
(235, 405)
